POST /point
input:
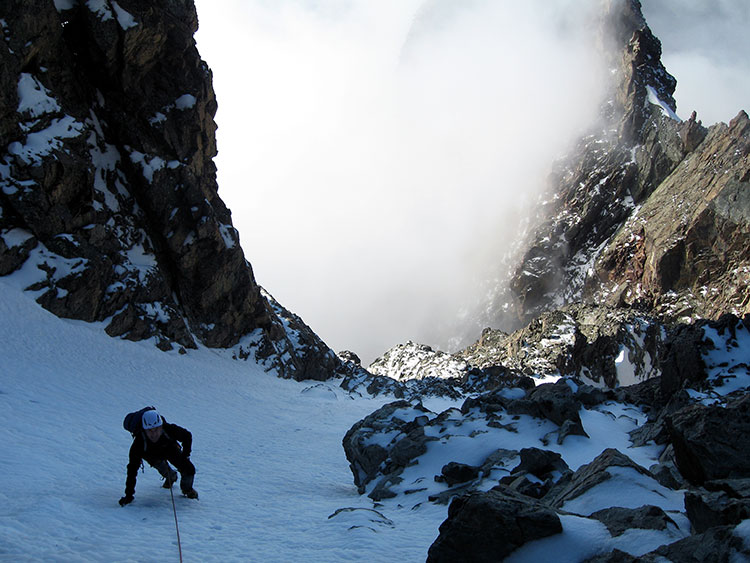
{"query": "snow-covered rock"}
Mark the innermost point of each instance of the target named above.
(623, 470)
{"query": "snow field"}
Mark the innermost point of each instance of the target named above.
(270, 465)
(271, 471)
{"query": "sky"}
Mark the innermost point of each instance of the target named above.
(376, 156)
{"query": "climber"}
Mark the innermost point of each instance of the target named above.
(156, 441)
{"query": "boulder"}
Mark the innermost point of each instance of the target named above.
(555, 402)
(711, 442)
(619, 520)
(709, 509)
(536, 473)
(714, 545)
(489, 526)
(454, 473)
(371, 457)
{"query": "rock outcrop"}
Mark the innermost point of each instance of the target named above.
(648, 210)
(630, 292)
(109, 200)
(490, 526)
(666, 457)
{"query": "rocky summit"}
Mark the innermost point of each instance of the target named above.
(109, 200)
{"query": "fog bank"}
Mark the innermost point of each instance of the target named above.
(376, 154)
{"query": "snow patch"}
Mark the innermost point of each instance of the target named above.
(149, 165)
(62, 5)
(100, 8)
(125, 19)
(653, 98)
(15, 237)
(185, 101)
(42, 143)
(229, 234)
(33, 98)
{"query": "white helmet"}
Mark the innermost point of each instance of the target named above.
(151, 419)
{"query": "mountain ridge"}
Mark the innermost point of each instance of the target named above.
(108, 181)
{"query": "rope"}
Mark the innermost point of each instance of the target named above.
(177, 527)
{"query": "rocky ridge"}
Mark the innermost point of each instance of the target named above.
(627, 308)
(647, 210)
(522, 466)
(109, 205)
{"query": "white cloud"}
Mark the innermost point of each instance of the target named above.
(375, 154)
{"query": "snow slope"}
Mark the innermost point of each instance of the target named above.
(270, 465)
(271, 471)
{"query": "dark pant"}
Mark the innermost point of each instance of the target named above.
(181, 462)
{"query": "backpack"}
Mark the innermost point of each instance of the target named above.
(132, 422)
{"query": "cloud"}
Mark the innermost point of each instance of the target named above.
(376, 155)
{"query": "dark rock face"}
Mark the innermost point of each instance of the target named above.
(712, 442)
(489, 526)
(554, 402)
(618, 520)
(109, 191)
(710, 509)
(454, 473)
(693, 249)
(537, 472)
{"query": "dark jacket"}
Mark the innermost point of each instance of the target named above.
(165, 448)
